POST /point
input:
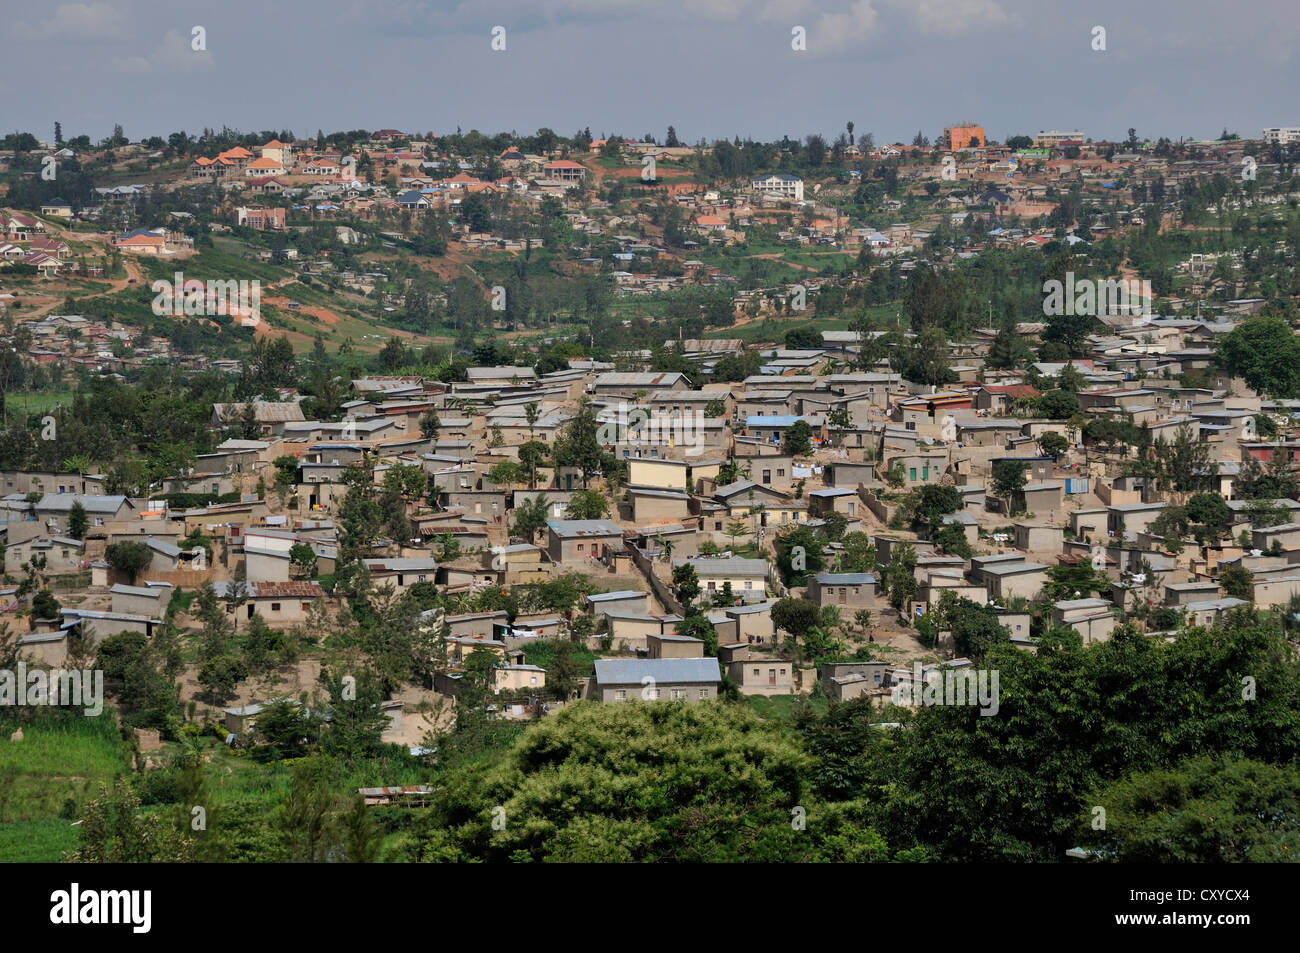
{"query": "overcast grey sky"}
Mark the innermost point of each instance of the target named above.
(711, 68)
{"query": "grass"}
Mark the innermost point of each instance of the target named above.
(542, 653)
(36, 842)
(783, 708)
(36, 402)
(64, 756)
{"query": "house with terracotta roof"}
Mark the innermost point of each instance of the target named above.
(321, 166)
(143, 241)
(210, 168)
(999, 397)
(281, 152)
(565, 170)
(709, 223)
(263, 167)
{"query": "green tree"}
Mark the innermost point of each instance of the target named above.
(1266, 353)
(302, 560)
(587, 505)
(129, 558)
(1009, 479)
(798, 439)
(77, 520)
(1052, 444)
(687, 582)
(1009, 349)
(1238, 582)
(530, 518)
(1212, 810)
(727, 793)
(45, 606)
(578, 444)
(796, 617)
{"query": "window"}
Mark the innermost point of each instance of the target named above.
(755, 671)
(275, 607)
(911, 474)
(580, 549)
(749, 584)
(780, 471)
(679, 694)
(620, 695)
(704, 693)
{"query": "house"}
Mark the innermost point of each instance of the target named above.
(143, 241)
(785, 186)
(671, 645)
(618, 384)
(270, 416)
(1007, 580)
(148, 600)
(1091, 618)
(579, 542)
(622, 600)
(748, 577)
(666, 679)
(280, 604)
(57, 208)
(262, 219)
(756, 674)
(842, 500)
(998, 398)
(564, 170)
(516, 678)
(1037, 498)
(845, 681)
(849, 591)
(401, 574)
(53, 509)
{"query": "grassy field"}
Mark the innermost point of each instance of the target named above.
(36, 842)
(23, 403)
(783, 707)
(46, 778)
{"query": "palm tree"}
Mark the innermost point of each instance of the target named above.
(665, 547)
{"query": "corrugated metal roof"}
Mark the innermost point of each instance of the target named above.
(664, 670)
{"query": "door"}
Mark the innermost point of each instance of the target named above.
(843, 594)
(767, 476)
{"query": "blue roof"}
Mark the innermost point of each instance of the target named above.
(776, 420)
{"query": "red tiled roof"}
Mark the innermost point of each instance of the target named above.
(1012, 390)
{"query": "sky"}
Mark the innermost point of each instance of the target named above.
(710, 68)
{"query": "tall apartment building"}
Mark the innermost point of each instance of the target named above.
(262, 218)
(964, 136)
(786, 186)
(1282, 135)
